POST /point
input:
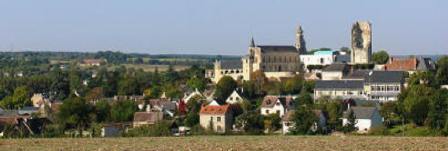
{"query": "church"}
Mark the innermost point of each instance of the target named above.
(275, 61)
(283, 61)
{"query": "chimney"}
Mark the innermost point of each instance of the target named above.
(348, 106)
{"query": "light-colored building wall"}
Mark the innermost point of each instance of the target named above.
(315, 59)
(383, 92)
(220, 123)
(276, 109)
(339, 93)
(332, 75)
(364, 125)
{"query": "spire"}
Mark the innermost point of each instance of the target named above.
(300, 41)
(299, 29)
(252, 42)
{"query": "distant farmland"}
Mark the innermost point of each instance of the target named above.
(151, 68)
(212, 143)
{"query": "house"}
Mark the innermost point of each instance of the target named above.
(384, 86)
(92, 62)
(218, 118)
(146, 118)
(365, 118)
(339, 89)
(113, 129)
(410, 64)
(163, 105)
(276, 105)
(288, 121)
(334, 71)
(320, 57)
(194, 94)
(235, 97)
(311, 76)
(39, 100)
(444, 87)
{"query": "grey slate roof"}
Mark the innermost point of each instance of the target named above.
(339, 84)
(277, 48)
(336, 67)
(231, 64)
(342, 58)
(425, 64)
(385, 77)
(357, 74)
(362, 112)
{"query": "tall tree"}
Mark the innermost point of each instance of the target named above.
(76, 113)
(19, 99)
(350, 126)
(380, 57)
(304, 119)
(224, 88)
(442, 70)
(123, 111)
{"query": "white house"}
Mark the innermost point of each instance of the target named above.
(288, 121)
(234, 98)
(365, 118)
(334, 71)
(321, 57)
(193, 94)
(276, 105)
(218, 118)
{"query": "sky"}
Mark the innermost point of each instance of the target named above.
(218, 26)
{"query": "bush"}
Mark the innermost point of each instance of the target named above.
(380, 130)
(162, 128)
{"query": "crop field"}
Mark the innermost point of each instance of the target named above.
(218, 143)
(151, 68)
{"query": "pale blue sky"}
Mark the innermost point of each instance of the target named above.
(218, 26)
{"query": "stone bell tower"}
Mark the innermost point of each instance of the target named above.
(300, 41)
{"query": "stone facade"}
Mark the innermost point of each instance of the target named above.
(361, 43)
(275, 61)
(300, 41)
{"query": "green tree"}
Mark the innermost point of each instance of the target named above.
(197, 83)
(350, 126)
(19, 99)
(194, 106)
(76, 113)
(123, 111)
(272, 122)
(224, 88)
(294, 85)
(334, 111)
(305, 98)
(442, 70)
(304, 119)
(251, 122)
(438, 110)
(102, 110)
(380, 57)
(415, 103)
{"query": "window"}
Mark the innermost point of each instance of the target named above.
(267, 111)
(218, 119)
(218, 128)
(278, 112)
(211, 118)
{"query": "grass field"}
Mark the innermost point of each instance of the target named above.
(218, 143)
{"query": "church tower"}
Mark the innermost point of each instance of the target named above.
(361, 42)
(300, 41)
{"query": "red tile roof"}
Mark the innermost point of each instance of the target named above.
(401, 64)
(213, 109)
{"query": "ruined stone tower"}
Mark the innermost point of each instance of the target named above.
(300, 41)
(361, 42)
